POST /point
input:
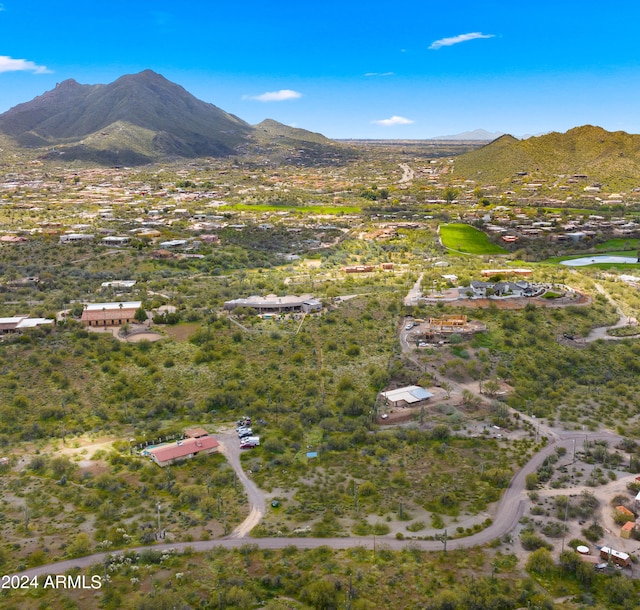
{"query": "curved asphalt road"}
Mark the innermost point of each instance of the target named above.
(510, 510)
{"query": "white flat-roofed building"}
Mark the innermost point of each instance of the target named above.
(16, 324)
(173, 243)
(119, 284)
(407, 396)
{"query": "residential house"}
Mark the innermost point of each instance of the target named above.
(116, 241)
(479, 288)
(72, 238)
(17, 324)
(275, 304)
(183, 450)
(412, 395)
(109, 314)
(119, 284)
(521, 288)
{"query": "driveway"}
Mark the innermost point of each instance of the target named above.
(230, 448)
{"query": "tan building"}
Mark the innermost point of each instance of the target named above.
(627, 529)
(110, 314)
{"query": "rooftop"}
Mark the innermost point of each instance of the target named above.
(181, 449)
(108, 306)
(409, 394)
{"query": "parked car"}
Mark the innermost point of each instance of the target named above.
(250, 442)
(409, 326)
(244, 432)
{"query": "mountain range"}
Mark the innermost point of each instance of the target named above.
(137, 119)
(142, 118)
(602, 156)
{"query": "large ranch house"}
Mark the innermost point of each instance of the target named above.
(110, 314)
(196, 441)
(275, 304)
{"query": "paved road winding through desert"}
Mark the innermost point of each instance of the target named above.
(510, 510)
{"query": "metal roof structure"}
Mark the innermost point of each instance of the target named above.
(409, 394)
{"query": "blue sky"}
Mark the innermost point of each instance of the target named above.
(347, 69)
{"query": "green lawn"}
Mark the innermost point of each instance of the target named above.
(467, 239)
(619, 244)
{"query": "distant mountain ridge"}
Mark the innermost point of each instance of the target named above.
(273, 128)
(137, 119)
(476, 134)
(587, 150)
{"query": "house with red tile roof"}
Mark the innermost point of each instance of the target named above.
(183, 450)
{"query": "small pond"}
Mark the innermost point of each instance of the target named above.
(592, 260)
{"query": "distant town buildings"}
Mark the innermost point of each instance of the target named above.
(367, 268)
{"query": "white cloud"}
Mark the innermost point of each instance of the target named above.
(447, 42)
(274, 96)
(8, 64)
(394, 120)
(379, 73)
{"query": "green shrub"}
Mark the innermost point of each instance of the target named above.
(593, 533)
(532, 542)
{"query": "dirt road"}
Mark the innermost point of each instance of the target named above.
(230, 448)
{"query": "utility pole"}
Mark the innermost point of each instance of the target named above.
(355, 497)
(564, 524)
